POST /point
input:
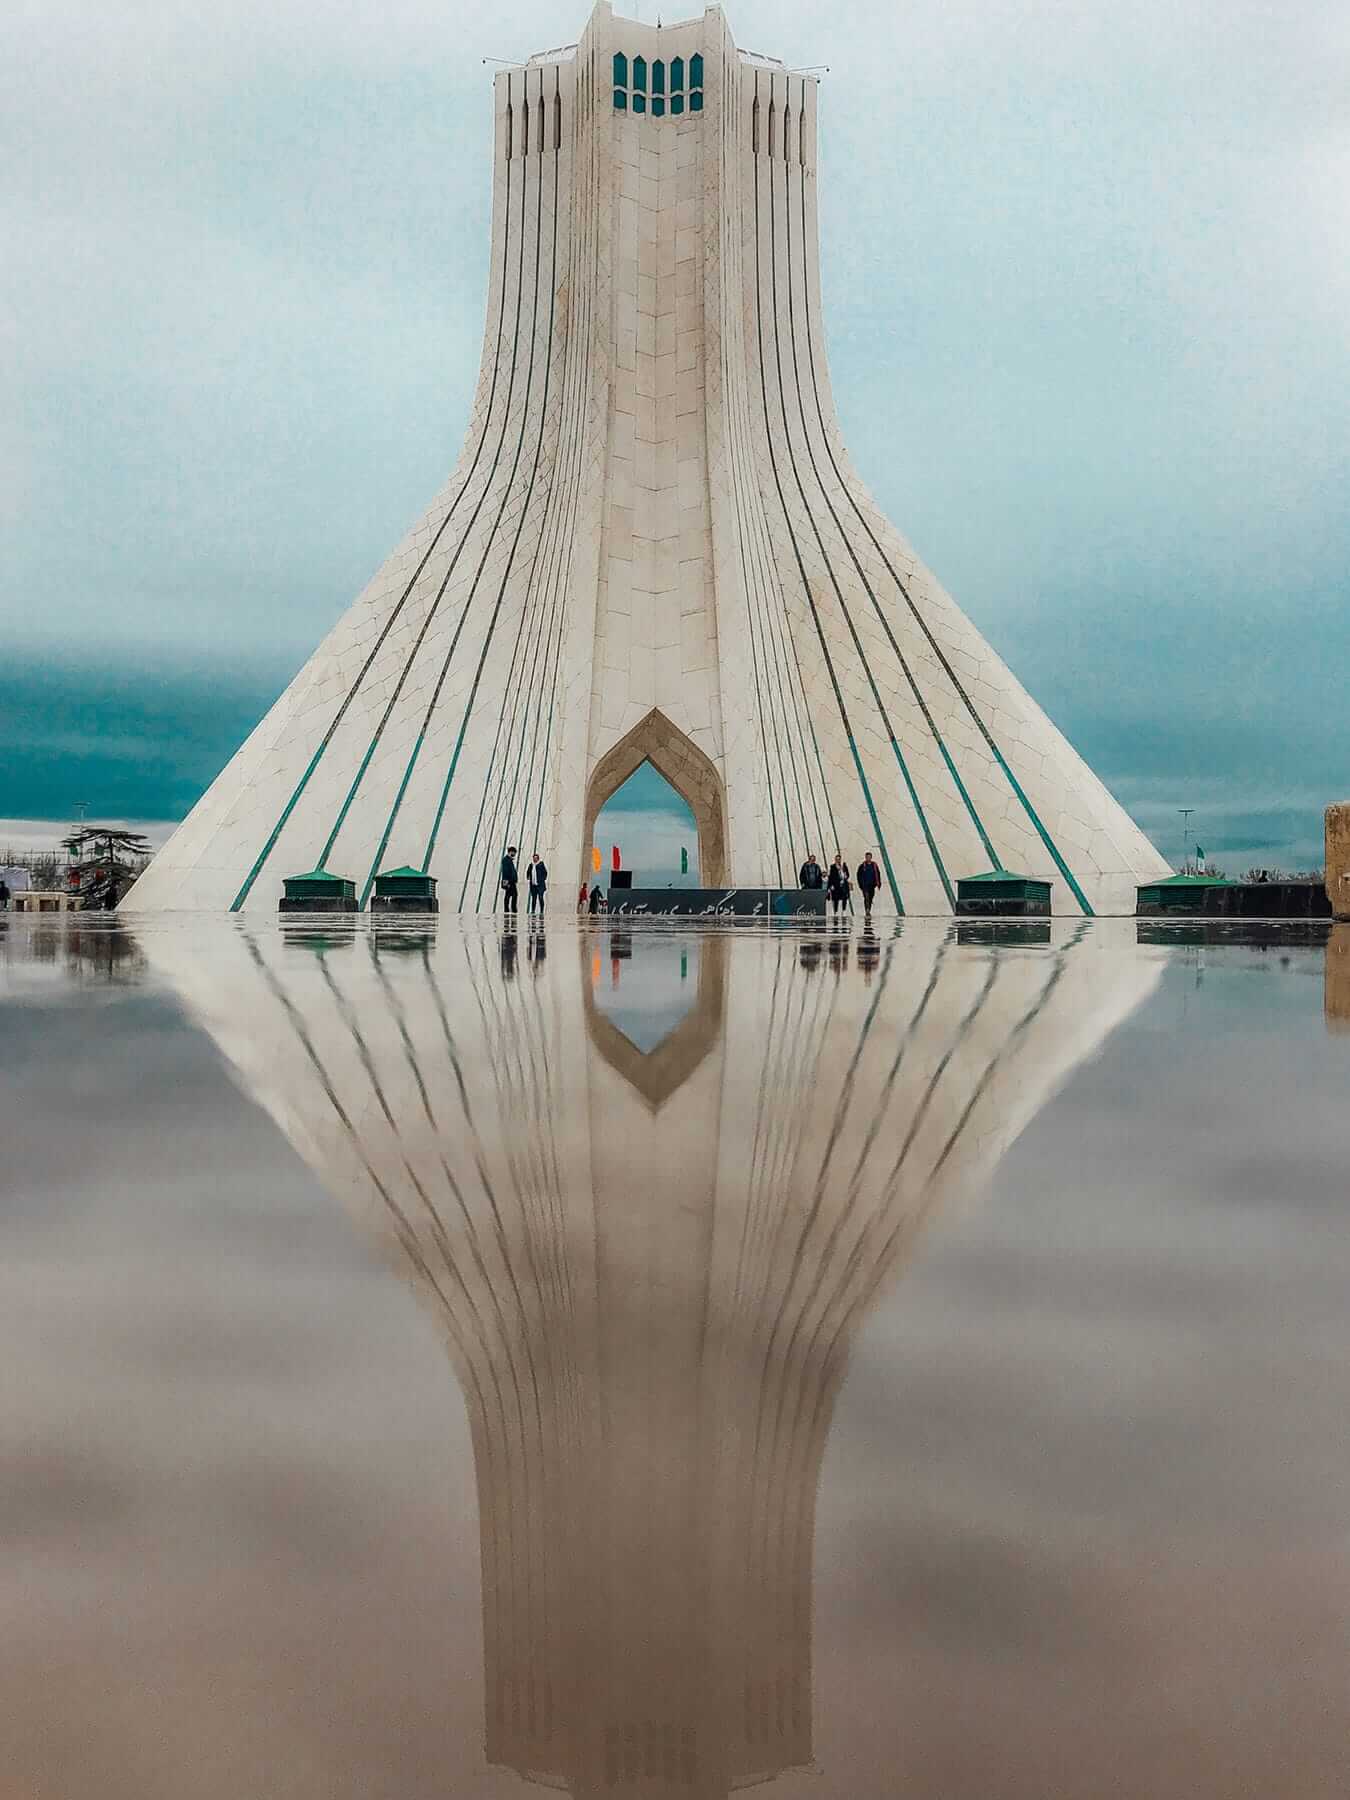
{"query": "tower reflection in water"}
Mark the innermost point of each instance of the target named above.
(650, 1190)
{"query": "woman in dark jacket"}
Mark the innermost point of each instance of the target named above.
(537, 877)
(837, 883)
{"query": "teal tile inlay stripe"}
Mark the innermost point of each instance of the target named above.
(546, 711)
(587, 250)
(801, 707)
(757, 635)
(562, 584)
(378, 858)
(553, 627)
(487, 549)
(519, 685)
(389, 623)
(876, 826)
(552, 613)
(958, 686)
(434, 608)
(844, 538)
(530, 611)
(778, 627)
(506, 577)
(770, 628)
(766, 726)
(801, 567)
(787, 435)
(820, 542)
(759, 624)
(1045, 837)
(795, 688)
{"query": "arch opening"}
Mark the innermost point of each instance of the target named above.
(691, 773)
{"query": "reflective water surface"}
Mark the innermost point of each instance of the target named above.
(658, 1361)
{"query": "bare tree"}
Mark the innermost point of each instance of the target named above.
(104, 861)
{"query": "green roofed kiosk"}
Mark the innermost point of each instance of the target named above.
(318, 892)
(1181, 894)
(999, 894)
(405, 890)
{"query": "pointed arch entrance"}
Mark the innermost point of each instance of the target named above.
(693, 776)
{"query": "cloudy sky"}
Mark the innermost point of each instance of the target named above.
(1087, 283)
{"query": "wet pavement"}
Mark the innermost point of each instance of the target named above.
(655, 1360)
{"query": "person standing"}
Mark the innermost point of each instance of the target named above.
(4, 894)
(596, 897)
(837, 883)
(810, 875)
(510, 881)
(869, 880)
(537, 876)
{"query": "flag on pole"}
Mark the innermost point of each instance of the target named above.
(618, 863)
(684, 860)
(595, 857)
(1199, 856)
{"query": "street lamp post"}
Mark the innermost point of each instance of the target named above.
(1185, 812)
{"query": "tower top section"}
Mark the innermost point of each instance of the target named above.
(629, 32)
(651, 71)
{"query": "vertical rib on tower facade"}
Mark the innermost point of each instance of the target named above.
(654, 544)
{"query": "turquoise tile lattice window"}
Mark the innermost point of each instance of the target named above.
(657, 89)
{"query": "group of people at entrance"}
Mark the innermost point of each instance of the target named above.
(837, 882)
(536, 880)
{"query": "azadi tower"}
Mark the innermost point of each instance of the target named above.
(654, 546)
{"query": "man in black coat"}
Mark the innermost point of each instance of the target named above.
(510, 881)
(810, 875)
(869, 880)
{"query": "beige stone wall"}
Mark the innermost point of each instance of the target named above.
(1338, 858)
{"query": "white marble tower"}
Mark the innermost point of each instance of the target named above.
(654, 546)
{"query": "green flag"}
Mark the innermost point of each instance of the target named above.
(684, 861)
